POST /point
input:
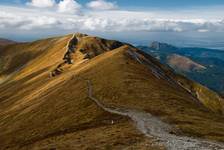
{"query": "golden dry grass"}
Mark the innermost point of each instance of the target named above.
(39, 112)
(120, 81)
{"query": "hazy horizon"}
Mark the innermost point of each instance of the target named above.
(204, 40)
(191, 23)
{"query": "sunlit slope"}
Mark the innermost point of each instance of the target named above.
(43, 112)
(32, 56)
(120, 81)
(207, 97)
(182, 63)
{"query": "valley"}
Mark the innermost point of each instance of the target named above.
(199, 64)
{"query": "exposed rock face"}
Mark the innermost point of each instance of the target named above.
(94, 46)
(71, 48)
(68, 57)
(89, 46)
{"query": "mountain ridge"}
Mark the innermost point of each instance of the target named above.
(5, 42)
(57, 112)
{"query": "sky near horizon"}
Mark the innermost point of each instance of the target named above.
(32, 19)
(140, 3)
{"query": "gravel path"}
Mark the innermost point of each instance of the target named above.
(154, 127)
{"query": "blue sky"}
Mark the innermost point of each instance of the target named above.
(188, 21)
(146, 3)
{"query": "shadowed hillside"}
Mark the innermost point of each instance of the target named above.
(4, 42)
(85, 92)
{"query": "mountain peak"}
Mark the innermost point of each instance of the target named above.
(162, 46)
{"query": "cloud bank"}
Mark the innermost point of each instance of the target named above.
(104, 16)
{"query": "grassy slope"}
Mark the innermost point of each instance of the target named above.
(42, 112)
(208, 97)
(133, 86)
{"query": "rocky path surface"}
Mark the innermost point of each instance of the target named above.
(154, 127)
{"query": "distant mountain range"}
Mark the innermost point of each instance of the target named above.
(203, 65)
(4, 42)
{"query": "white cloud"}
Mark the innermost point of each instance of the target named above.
(27, 19)
(101, 5)
(203, 30)
(41, 3)
(69, 6)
